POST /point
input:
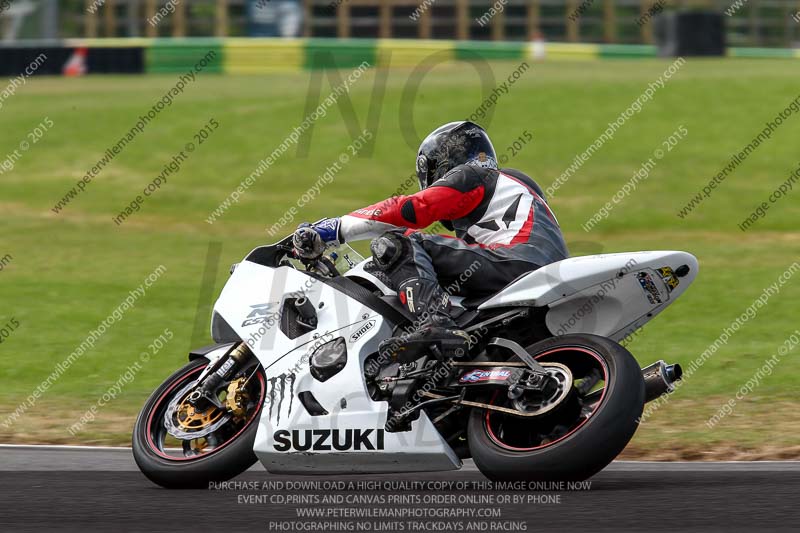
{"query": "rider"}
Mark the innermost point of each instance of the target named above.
(502, 223)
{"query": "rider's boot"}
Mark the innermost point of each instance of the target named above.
(439, 331)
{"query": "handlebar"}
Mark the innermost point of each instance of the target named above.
(282, 253)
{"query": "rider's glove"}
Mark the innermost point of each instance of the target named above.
(307, 242)
(310, 240)
(328, 229)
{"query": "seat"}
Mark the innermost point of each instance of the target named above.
(473, 302)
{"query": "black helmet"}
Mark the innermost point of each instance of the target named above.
(455, 143)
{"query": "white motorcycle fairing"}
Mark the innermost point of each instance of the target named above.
(289, 438)
(610, 295)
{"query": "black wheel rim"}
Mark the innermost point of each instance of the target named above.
(164, 445)
(517, 434)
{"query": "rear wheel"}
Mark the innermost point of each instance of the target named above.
(177, 445)
(587, 430)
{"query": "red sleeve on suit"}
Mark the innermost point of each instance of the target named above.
(422, 209)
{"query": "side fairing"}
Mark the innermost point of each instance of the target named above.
(349, 436)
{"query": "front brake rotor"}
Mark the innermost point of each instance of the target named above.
(185, 422)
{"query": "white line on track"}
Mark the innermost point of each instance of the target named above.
(469, 465)
(62, 447)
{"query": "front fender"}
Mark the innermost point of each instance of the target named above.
(211, 352)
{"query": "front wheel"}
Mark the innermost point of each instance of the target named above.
(591, 426)
(179, 446)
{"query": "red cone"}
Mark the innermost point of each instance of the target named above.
(76, 66)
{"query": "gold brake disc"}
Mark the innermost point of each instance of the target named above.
(190, 419)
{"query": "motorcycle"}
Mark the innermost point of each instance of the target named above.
(545, 391)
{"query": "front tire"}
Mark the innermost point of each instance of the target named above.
(579, 440)
(163, 465)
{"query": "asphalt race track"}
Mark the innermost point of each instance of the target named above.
(66, 488)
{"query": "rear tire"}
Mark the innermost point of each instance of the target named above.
(592, 445)
(228, 461)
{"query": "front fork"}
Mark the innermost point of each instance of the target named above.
(217, 373)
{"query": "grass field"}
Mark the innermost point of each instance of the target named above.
(63, 274)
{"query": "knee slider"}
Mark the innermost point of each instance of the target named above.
(387, 250)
